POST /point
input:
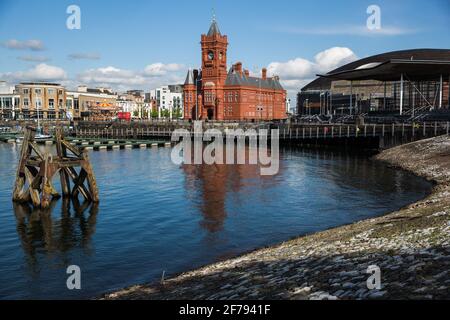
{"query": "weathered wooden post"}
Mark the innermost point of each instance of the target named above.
(62, 153)
(18, 195)
(92, 182)
(37, 171)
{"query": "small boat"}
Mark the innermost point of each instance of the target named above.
(37, 137)
(41, 137)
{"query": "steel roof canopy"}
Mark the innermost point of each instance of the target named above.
(391, 70)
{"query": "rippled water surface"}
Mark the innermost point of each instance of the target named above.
(155, 216)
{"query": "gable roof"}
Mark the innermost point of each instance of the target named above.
(234, 78)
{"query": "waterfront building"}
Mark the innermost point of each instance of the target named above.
(43, 99)
(217, 94)
(91, 104)
(151, 105)
(9, 101)
(409, 93)
(5, 88)
(137, 98)
(127, 103)
(169, 100)
(288, 106)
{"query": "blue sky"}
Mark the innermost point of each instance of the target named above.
(141, 44)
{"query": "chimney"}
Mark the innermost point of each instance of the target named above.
(238, 67)
(247, 73)
(264, 73)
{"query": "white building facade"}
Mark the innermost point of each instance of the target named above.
(168, 98)
(9, 101)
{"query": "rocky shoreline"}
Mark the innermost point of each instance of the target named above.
(411, 247)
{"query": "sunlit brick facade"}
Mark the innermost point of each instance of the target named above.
(217, 94)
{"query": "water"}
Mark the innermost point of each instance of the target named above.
(155, 216)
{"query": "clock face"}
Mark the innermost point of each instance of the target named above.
(210, 55)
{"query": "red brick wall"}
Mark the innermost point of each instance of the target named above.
(246, 103)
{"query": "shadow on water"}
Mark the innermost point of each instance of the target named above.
(38, 230)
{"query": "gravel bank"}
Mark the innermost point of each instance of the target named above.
(411, 247)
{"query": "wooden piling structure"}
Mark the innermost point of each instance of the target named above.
(35, 172)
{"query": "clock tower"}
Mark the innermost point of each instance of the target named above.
(214, 71)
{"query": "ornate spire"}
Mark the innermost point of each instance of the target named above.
(214, 28)
(189, 77)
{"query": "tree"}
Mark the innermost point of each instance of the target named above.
(154, 113)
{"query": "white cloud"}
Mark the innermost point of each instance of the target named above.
(84, 56)
(294, 85)
(41, 72)
(151, 76)
(33, 58)
(300, 68)
(160, 69)
(111, 75)
(296, 68)
(298, 72)
(35, 45)
(333, 58)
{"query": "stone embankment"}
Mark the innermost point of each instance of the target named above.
(411, 247)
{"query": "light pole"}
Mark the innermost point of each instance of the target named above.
(159, 111)
(196, 99)
(196, 94)
(1, 104)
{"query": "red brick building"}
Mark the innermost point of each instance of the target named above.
(215, 94)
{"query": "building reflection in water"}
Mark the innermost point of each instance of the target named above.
(209, 187)
(39, 232)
